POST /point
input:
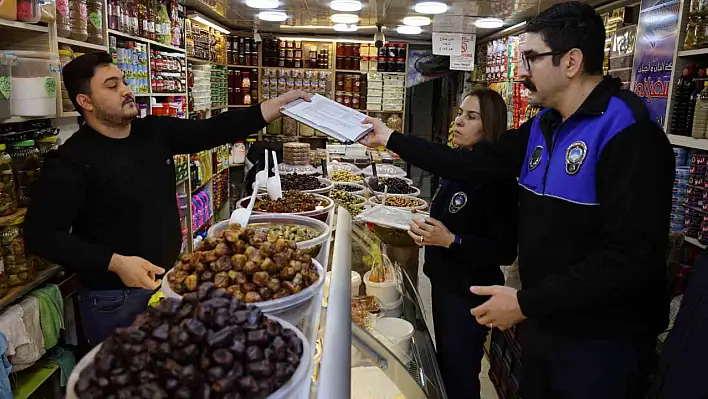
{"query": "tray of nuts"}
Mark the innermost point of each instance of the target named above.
(293, 203)
(192, 349)
(401, 201)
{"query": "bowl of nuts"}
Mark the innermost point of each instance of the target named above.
(207, 345)
(293, 203)
(406, 202)
(266, 270)
(305, 183)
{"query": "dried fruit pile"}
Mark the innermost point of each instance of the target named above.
(249, 263)
(292, 201)
(396, 185)
(295, 181)
(209, 345)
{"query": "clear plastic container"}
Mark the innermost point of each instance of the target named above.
(46, 144)
(299, 169)
(94, 27)
(336, 166)
(18, 269)
(6, 63)
(320, 214)
(8, 194)
(65, 56)
(8, 10)
(63, 19)
(34, 84)
(25, 162)
(29, 11)
(49, 11)
(385, 170)
(78, 14)
(296, 388)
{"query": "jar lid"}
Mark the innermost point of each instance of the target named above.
(2, 147)
(26, 143)
(66, 53)
(49, 139)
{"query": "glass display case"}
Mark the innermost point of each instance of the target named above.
(389, 354)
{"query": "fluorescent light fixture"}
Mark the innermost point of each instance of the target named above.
(430, 7)
(409, 30)
(488, 23)
(322, 27)
(416, 21)
(210, 24)
(263, 4)
(325, 39)
(345, 28)
(345, 18)
(272, 16)
(345, 5)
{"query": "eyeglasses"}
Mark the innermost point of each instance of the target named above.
(527, 59)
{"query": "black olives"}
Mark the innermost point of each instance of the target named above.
(209, 346)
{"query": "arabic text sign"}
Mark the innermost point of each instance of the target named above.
(657, 33)
(447, 43)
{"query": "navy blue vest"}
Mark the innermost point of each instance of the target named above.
(558, 174)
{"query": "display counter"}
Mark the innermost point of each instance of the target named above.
(378, 361)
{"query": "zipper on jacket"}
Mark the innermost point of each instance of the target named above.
(550, 156)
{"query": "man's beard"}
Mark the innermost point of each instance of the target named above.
(116, 119)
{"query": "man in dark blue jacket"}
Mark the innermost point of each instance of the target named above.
(595, 176)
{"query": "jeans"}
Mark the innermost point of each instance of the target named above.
(102, 311)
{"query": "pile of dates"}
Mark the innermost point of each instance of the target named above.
(396, 185)
(209, 345)
(249, 263)
(300, 182)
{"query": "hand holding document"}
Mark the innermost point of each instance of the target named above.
(329, 117)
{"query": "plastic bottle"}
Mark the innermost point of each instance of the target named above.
(95, 21)
(63, 19)
(682, 103)
(700, 115)
(28, 11)
(78, 13)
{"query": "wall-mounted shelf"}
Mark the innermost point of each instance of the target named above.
(693, 53)
(23, 26)
(144, 40)
(695, 242)
(86, 45)
(690, 142)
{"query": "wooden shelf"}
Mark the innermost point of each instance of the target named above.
(690, 142)
(23, 26)
(694, 241)
(246, 66)
(15, 293)
(167, 95)
(144, 40)
(693, 53)
(29, 380)
(76, 43)
(240, 106)
(300, 69)
(17, 119)
(201, 61)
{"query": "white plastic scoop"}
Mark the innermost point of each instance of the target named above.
(242, 215)
(262, 176)
(273, 185)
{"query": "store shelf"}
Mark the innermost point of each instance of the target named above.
(693, 53)
(30, 380)
(690, 142)
(299, 69)
(180, 182)
(17, 119)
(360, 71)
(167, 95)
(23, 26)
(201, 61)
(237, 165)
(15, 293)
(240, 106)
(70, 114)
(204, 184)
(694, 241)
(246, 66)
(76, 43)
(144, 40)
(219, 107)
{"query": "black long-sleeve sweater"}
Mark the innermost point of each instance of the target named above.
(98, 196)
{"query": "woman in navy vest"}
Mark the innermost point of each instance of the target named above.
(471, 232)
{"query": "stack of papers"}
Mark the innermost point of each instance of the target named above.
(329, 117)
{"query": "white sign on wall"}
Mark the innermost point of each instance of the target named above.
(464, 61)
(447, 43)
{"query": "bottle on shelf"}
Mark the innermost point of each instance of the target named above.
(682, 102)
(700, 115)
(78, 13)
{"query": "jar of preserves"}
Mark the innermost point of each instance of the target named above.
(95, 21)
(8, 194)
(364, 64)
(356, 101)
(339, 97)
(356, 83)
(25, 162)
(63, 20)
(400, 65)
(78, 14)
(373, 64)
(18, 269)
(340, 82)
(347, 100)
(381, 67)
(348, 82)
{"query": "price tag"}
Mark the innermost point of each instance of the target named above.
(50, 86)
(447, 43)
(5, 87)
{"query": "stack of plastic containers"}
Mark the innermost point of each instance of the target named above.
(678, 213)
(200, 87)
(34, 84)
(201, 209)
(694, 199)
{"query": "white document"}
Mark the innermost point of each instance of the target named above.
(329, 117)
(465, 61)
(447, 43)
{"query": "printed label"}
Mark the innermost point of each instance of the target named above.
(50, 86)
(96, 20)
(82, 11)
(25, 11)
(63, 8)
(5, 87)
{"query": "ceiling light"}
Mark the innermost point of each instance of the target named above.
(430, 7)
(489, 23)
(325, 39)
(345, 28)
(208, 23)
(262, 3)
(345, 5)
(408, 30)
(345, 18)
(273, 16)
(416, 21)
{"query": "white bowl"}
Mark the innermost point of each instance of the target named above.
(398, 333)
(387, 292)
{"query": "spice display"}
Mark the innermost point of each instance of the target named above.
(207, 345)
(396, 185)
(344, 176)
(25, 161)
(8, 195)
(252, 265)
(292, 201)
(402, 202)
(348, 201)
(18, 269)
(300, 182)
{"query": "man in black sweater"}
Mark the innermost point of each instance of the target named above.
(595, 176)
(105, 204)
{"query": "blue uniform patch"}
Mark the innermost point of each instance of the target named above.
(457, 202)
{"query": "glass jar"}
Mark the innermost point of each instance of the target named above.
(25, 161)
(95, 21)
(381, 67)
(8, 194)
(78, 14)
(395, 122)
(340, 82)
(364, 64)
(63, 19)
(400, 65)
(347, 100)
(356, 101)
(18, 269)
(356, 83)
(348, 82)
(373, 64)
(339, 97)
(700, 33)
(45, 145)
(29, 11)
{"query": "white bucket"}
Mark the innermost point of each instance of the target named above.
(293, 308)
(398, 333)
(393, 310)
(297, 388)
(387, 292)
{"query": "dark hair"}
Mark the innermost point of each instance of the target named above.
(566, 26)
(78, 73)
(492, 110)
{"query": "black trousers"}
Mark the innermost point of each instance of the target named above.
(560, 367)
(459, 340)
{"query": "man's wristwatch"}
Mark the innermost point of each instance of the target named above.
(457, 241)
